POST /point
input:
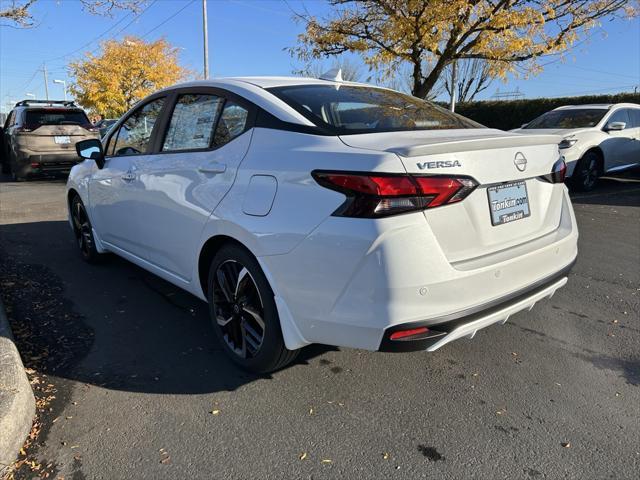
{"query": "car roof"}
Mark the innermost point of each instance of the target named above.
(254, 90)
(604, 106)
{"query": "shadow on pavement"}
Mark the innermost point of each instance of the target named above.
(112, 325)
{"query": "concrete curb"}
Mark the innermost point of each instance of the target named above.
(17, 403)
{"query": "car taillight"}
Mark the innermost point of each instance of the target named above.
(26, 128)
(380, 195)
(558, 172)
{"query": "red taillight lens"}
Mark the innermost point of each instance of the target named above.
(408, 333)
(372, 196)
(441, 188)
(558, 172)
(372, 185)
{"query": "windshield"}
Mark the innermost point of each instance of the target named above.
(36, 118)
(570, 118)
(348, 109)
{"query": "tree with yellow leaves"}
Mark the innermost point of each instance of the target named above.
(428, 35)
(125, 72)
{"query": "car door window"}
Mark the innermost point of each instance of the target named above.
(619, 116)
(232, 123)
(634, 116)
(134, 134)
(192, 122)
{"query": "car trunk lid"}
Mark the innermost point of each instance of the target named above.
(493, 158)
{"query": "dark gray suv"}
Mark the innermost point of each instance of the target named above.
(39, 136)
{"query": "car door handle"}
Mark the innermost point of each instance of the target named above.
(129, 176)
(213, 168)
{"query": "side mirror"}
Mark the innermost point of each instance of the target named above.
(91, 150)
(615, 126)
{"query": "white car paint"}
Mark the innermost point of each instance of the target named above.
(336, 280)
(619, 149)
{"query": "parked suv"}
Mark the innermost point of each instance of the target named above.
(39, 137)
(597, 139)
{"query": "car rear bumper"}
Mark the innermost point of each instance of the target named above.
(350, 283)
(467, 322)
(45, 163)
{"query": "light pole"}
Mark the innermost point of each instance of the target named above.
(454, 81)
(64, 87)
(205, 31)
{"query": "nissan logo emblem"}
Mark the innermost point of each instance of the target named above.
(520, 161)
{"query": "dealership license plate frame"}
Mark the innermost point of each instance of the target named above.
(62, 139)
(495, 192)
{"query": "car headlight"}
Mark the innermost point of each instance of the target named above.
(567, 143)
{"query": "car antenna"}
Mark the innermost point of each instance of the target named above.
(333, 75)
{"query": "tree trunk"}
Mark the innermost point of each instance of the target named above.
(423, 86)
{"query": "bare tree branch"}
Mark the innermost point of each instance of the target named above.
(18, 12)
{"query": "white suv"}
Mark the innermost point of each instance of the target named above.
(597, 139)
(312, 211)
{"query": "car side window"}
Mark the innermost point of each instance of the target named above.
(192, 121)
(634, 116)
(134, 134)
(232, 123)
(620, 116)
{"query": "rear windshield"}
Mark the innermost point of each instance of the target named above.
(49, 116)
(573, 118)
(347, 109)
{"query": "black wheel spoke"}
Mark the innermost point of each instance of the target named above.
(223, 283)
(253, 314)
(243, 276)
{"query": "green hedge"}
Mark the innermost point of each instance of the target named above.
(508, 114)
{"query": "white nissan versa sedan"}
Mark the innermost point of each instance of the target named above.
(597, 139)
(315, 211)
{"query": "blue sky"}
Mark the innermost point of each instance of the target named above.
(249, 37)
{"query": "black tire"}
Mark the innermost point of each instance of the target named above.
(587, 172)
(83, 232)
(4, 156)
(4, 161)
(243, 312)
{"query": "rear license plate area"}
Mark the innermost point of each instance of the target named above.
(508, 202)
(62, 139)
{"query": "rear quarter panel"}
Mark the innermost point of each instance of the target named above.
(300, 204)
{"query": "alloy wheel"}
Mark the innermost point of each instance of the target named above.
(238, 307)
(82, 228)
(590, 173)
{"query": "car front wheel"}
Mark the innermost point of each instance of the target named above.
(587, 172)
(83, 231)
(244, 313)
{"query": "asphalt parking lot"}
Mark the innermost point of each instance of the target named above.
(141, 389)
